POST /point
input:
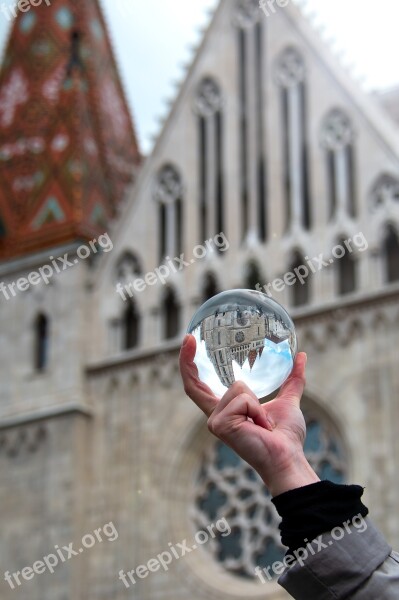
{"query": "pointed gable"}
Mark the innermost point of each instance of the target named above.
(64, 121)
(309, 174)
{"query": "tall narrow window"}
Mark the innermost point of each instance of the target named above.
(346, 272)
(162, 231)
(286, 157)
(202, 176)
(168, 193)
(391, 255)
(251, 122)
(253, 276)
(331, 183)
(41, 333)
(210, 287)
(350, 161)
(243, 132)
(338, 142)
(220, 222)
(290, 76)
(208, 107)
(179, 226)
(306, 214)
(260, 150)
(300, 291)
(171, 315)
(131, 326)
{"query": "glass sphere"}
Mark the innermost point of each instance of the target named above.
(243, 335)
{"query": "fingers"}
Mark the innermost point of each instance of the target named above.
(198, 391)
(235, 412)
(239, 400)
(293, 388)
(239, 387)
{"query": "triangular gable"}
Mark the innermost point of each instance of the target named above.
(329, 87)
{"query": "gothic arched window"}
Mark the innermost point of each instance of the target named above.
(168, 193)
(290, 76)
(208, 107)
(253, 275)
(300, 291)
(41, 342)
(128, 267)
(227, 487)
(251, 74)
(391, 250)
(170, 314)
(210, 287)
(131, 326)
(346, 271)
(337, 138)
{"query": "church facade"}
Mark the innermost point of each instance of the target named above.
(272, 170)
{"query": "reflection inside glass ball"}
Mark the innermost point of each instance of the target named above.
(243, 335)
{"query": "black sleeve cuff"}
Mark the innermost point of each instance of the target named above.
(317, 508)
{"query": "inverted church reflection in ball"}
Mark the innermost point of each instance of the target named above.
(243, 335)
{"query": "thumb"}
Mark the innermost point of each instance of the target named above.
(293, 388)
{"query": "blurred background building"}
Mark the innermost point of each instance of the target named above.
(269, 142)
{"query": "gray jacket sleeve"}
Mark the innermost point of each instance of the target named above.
(354, 563)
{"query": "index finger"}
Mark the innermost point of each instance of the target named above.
(198, 391)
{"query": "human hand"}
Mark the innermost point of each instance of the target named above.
(268, 436)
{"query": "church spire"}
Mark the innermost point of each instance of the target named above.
(68, 149)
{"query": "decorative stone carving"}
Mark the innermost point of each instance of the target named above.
(128, 268)
(289, 68)
(384, 191)
(246, 13)
(337, 131)
(168, 185)
(208, 98)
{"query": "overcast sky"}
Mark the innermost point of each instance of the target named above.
(151, 40)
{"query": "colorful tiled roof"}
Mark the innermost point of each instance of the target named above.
(68, 148)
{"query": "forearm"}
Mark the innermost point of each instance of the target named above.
(297, 475)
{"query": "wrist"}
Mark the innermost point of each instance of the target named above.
(298, 474)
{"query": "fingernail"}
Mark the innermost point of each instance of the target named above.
(185, 340)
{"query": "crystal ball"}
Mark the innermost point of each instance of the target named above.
(243, 335)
